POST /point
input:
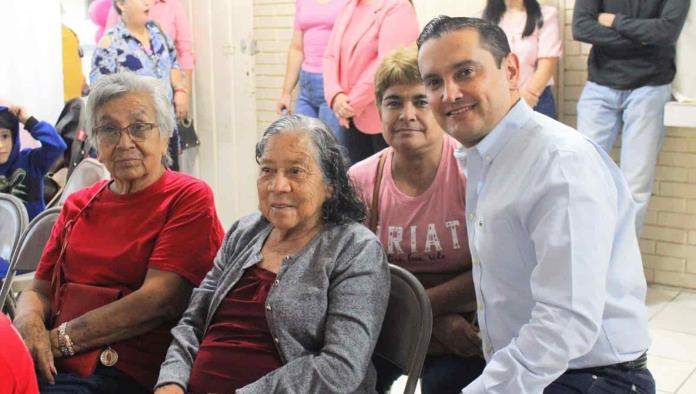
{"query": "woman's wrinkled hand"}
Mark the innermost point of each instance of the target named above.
(36, 338)
(458, 335)
(170, 389)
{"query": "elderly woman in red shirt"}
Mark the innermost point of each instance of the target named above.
(123, 255)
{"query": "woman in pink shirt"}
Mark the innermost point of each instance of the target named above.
(313, 22)
(364, 32)
(535, 37)
(418, 215)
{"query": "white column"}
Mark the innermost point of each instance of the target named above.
(31, 70)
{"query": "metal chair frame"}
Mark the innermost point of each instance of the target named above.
(28, 251)
(405, 337)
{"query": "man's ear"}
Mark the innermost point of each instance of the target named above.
(512, 70)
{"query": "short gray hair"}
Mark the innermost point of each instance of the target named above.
(344, 205)
(112, 86)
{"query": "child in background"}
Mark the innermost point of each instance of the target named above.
(22, 171)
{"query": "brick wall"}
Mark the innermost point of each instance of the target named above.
(668, 242)
(273, 21)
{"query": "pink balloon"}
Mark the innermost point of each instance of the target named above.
(98, 12)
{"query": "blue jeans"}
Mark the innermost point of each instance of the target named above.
(104, 380)
(546, 104)
(607, 381)
(311, 102)
(639, 115)
(446, 374)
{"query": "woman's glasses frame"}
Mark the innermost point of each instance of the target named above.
(111, 135)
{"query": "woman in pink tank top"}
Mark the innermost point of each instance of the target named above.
(418, 215)
(314, 20)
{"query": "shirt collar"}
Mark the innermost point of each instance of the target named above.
(493, 143)
(121, 31)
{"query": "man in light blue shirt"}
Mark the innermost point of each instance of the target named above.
(551, 224)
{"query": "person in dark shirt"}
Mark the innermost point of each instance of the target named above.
(631, 67)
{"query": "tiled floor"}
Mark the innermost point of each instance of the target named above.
(672, 355)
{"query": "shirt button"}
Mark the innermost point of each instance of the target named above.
(276, 340)
(475, 261)
(472, 216)
(488, 158)
(480, 307)
(489, 348)
(277, 282)
(268, 307)
(480, 223)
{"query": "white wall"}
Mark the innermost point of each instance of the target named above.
(31, 69)
(224, 104)
(428, 9)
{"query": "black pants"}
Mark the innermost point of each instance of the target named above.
(360, 146)
(174, 152)
(446, 374)
(604, 381)
(104, 380)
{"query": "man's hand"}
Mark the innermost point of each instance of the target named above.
(170, 389)
(36, 337)
(20, 113)
(606, 19)
(458, 335)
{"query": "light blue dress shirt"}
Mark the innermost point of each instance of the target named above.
(557, 269)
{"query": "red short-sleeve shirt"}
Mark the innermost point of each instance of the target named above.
(172, 225)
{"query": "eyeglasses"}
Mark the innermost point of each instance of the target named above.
(110, 135)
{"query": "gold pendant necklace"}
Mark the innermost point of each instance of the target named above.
(108, 357)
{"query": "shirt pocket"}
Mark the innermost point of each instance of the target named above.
(499, 250)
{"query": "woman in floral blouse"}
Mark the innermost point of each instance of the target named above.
(137, 44)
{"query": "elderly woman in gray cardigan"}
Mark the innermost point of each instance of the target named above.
(297, 295)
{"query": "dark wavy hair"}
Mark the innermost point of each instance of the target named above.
(496, 8)
(491, 36)
(344, 205)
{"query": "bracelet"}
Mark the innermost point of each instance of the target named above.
(64, 342)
